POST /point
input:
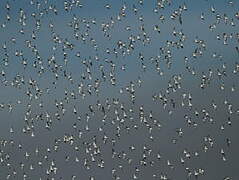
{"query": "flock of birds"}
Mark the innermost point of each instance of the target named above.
(119, 89)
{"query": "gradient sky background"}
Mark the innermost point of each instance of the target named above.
(152, 83)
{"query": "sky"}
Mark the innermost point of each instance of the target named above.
(216, 57)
